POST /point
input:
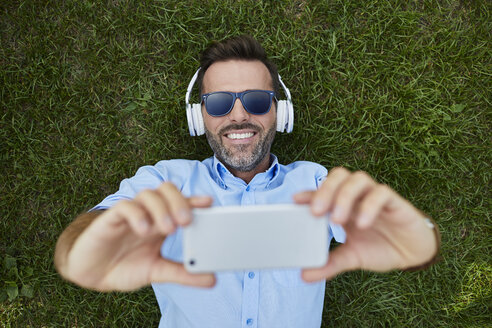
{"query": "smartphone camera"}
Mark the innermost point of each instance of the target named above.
(192, 262)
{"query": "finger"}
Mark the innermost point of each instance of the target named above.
(348, 193)
(323, 198)
(200, 201)
(130, 213)
(303, 197)
(341, 259)
(179, 209)
(169, 271)
(155, 205)
(372, 204)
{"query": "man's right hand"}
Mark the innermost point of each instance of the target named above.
(120, 249)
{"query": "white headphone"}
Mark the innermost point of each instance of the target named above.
(285, 111)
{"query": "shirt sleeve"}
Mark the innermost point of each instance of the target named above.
(146, 177)
(337, 232)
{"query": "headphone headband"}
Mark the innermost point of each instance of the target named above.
(190, 86)
(286, 90)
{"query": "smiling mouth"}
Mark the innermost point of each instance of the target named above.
(239, 136)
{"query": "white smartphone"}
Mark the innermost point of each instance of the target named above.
(255, 237)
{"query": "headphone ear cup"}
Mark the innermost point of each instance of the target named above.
(189, 117)
(281, 115)
(290, 116)
(198, 124)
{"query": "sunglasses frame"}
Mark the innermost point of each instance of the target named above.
(239, 95)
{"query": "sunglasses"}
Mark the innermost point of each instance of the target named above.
(256, 102)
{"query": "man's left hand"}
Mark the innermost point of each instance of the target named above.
(384, 231)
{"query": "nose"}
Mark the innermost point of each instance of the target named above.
(238, 113)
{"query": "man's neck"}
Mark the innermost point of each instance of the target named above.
(248, 176)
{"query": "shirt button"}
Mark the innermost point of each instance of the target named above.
(251, 275)
(247, 188)
(249, 322)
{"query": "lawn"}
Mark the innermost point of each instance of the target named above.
(92, 90)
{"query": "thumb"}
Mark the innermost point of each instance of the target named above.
(200, 201)
(169, 271)
(342, 259)
(303, 197)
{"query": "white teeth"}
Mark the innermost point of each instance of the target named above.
(240, 135)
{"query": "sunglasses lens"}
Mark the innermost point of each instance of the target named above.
(219, 103)
(257, 102)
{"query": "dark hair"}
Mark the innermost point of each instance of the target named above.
(242, 47)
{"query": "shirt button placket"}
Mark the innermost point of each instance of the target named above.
(251, 287)
(250, 299)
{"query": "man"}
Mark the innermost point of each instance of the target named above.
(133, 238)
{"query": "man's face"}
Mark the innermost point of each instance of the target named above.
(239, 139)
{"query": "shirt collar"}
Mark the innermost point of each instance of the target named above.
(226, 179)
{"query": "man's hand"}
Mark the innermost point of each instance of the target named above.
(120, 249)
(384, 231)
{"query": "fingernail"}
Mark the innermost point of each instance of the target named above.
(212, 281)
(167, 220)
(143, 225)
(184, 215)
(363, 220)
(318, 206)
(337, 213)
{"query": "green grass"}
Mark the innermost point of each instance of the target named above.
(89, 92)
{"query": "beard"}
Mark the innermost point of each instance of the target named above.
(242, 158)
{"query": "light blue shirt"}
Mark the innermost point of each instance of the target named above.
(262, 298)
